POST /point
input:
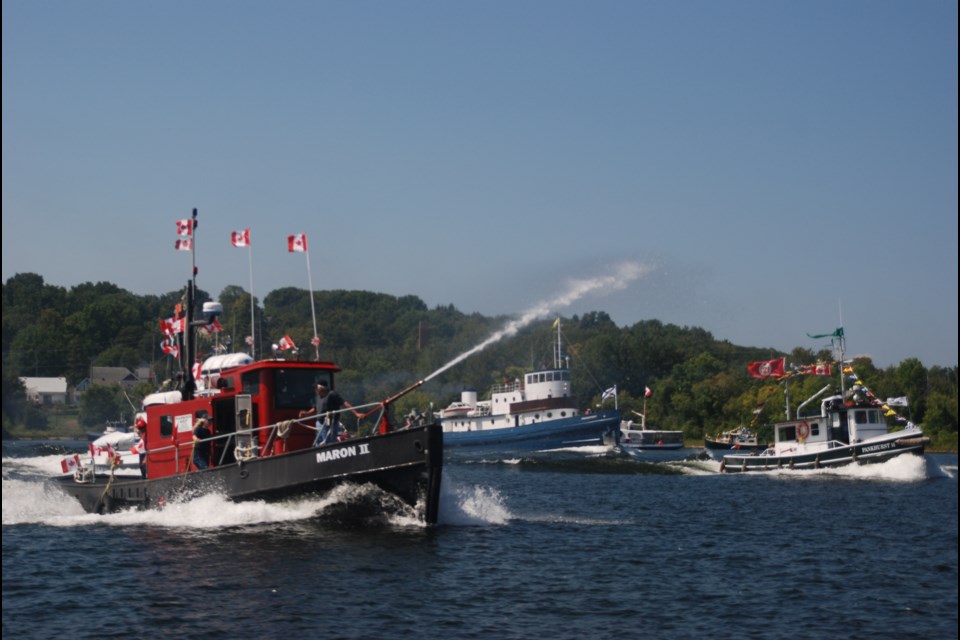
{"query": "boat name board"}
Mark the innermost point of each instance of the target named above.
(878, 447)
(361, 449)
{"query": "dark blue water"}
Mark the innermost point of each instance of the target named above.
(556, 545)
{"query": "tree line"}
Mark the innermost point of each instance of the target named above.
(698, 384)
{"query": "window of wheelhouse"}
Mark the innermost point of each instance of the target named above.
(788, 433)
(166, 426)
(250, 382)
(298, 387)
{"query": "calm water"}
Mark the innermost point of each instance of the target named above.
(556, 545)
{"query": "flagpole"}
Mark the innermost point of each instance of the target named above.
(189, 338)
(253, 326)
(313, 310)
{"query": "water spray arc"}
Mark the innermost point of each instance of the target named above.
(622, 275)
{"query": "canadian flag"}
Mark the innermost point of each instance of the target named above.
(315, 341)
(184, 227)
(139, 447)
(168, 346)
(213, 327)
(70, 464)
(183, 245)
(286, 342)
(297, 243)
(196, 370)
(240, 238)
(172, 326)
(647, 393)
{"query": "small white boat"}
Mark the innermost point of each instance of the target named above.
(456, 409)
(639, 437)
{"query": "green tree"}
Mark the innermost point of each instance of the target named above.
(100, 404)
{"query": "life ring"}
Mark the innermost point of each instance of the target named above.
(803, 430)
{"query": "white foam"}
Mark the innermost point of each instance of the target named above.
(471, 505)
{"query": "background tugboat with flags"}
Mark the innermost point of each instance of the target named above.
(849, 427)
(258, 447)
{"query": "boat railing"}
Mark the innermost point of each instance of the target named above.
(277, 429)
(507, 387)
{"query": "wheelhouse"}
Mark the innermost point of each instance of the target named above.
(251, 411)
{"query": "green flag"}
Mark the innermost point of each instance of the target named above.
(836, 334)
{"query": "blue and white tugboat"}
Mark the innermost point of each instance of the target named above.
(536, 412)
(849, 428)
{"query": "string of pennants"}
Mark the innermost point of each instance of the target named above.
(776, 369)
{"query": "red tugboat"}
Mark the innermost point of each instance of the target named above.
(260, 447)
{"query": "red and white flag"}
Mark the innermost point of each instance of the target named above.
(286, 342)
(172, 326)
(297, 243)
(647, 393)
(767, 368)
(170, 347)
(139, 447)
(197, 370)
(183, 245)
(70, 464)
(185, 227)
(240, 238)
(315, 341)
(213, 327)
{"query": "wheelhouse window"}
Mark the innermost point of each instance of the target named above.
(251, 383)
(298, 387)
(166, 426)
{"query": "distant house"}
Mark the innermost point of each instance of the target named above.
(46, 391)
(107, 376)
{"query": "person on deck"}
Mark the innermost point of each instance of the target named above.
(327, 408)
(140, 426)
(201, 444)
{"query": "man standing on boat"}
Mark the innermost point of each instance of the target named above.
(327, 408)
(201, 444)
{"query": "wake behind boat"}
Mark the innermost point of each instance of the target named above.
(535, 413)
(254, 442)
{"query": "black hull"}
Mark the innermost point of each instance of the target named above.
(406, 463)
(860, 453)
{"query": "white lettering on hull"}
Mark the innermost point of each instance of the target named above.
(343, 452)
(878, 447)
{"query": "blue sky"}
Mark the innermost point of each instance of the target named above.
(773, 166)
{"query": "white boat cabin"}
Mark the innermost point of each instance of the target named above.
(541, 395)
(838, 424)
